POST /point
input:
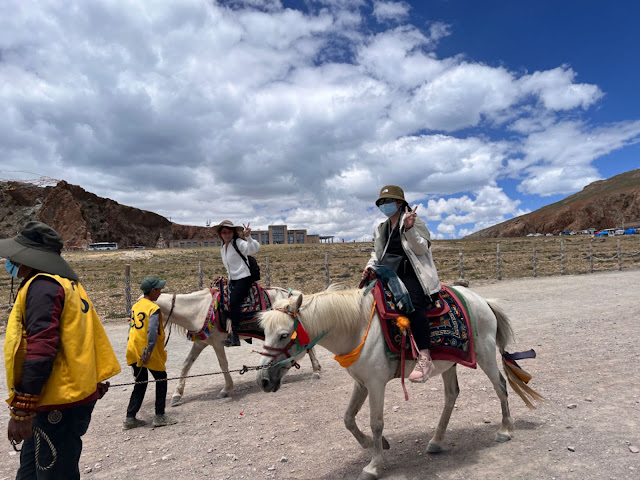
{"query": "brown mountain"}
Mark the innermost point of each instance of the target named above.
(83, 218)
(610, 203)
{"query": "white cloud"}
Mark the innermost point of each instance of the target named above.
(384, 11)
(250, 110)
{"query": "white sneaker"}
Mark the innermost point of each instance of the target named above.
(423, 367)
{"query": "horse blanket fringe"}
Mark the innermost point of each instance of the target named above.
(451, 336)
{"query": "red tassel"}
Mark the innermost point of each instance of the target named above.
(303, 336)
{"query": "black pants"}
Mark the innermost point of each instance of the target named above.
(238, 291)
(418, 318)
(66, 437)
(139, 389)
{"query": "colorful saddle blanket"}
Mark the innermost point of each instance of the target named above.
(451, 336)
(256, 301)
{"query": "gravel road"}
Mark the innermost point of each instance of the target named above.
(583, 328)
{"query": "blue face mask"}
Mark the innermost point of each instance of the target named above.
(11, 268)
(388, 208)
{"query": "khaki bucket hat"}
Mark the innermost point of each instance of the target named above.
(227, 224)
(391, 191)
(38, 246)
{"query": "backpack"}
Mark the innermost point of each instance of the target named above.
(252, 263)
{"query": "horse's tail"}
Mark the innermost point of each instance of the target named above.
(517, 377)
(504, 335)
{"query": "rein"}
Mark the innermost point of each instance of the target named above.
(173, 304)
(299, 337)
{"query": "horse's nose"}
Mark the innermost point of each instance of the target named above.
(264, 383)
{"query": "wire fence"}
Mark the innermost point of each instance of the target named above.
(113, 281)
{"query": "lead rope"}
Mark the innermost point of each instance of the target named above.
(173, 304)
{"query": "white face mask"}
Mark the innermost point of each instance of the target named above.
(388, 208)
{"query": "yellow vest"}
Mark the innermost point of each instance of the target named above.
(84, 357)
(138, 325)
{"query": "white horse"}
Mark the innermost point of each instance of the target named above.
(189, 312)
(343, 318)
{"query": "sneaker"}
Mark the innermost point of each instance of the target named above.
(163, 420)
(231, 341)
(132, 422)
(423, 368)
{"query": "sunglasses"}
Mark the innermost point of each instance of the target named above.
(387, 200)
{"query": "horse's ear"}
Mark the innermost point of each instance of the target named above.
(295, 306)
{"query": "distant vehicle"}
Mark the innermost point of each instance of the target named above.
(103, 246)
(549, 235)
(630, 231)
(602, 233)
(619, 231)
(139, 247)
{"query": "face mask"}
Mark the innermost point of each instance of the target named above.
(388, 208)
(11, 268)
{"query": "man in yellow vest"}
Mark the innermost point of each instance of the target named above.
(57, 356)
(145, 351)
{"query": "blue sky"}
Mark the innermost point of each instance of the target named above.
(298, 112)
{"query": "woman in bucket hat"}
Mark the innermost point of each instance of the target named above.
(404, 241)
(57, 355)
(236, 240)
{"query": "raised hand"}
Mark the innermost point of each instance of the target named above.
(409, 217)
(247, 229)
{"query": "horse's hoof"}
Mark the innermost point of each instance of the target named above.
(433, 447)
(315, 376)
(385, 444)
(176, 400)
(501, 437)
(223, 394)
(367, 476)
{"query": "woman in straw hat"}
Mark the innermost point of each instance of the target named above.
(404, 242)
(57, 355)
(237, 242)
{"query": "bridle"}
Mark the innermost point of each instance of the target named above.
(304, 344)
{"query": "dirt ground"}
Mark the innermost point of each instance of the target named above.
(584, 329)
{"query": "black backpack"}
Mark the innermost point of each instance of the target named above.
(251, 262)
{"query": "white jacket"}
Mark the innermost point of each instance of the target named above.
(235, 265)
(416, 243)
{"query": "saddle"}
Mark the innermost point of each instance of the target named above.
(450, 337)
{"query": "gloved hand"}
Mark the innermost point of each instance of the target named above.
(146, 355)
(103, 387)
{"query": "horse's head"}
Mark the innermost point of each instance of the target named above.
(280, 331)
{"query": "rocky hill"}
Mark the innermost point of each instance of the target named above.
(83, 218)
(603, 204)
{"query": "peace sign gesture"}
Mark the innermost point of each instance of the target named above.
(409, 217)
(247, 229)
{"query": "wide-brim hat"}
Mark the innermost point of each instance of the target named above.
(227, 224)
(391, 191)
(38, 246)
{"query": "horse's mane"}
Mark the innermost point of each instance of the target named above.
(341, 311)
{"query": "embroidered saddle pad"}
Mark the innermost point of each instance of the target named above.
(451, 337)
(256, 301)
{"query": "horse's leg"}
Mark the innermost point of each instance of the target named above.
(224, 366)
(376, 419)
(358, 396)
(490, 366)
(196, 349)
(314, 364)
(451, 390)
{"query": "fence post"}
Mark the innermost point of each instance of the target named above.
(619, 256)
(326, 268)
(591, 256)
(461, 263)
(499, 264)
(561, 257)
(200, 275)
(268, 281)
(535, 262)
(127, 287)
